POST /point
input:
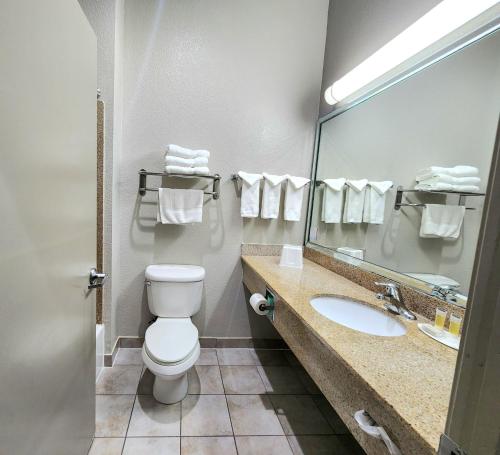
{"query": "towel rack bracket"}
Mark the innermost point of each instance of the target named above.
(462, 196)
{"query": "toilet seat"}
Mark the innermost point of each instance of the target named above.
(169, 341)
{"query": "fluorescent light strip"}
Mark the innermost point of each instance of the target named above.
(443, 19)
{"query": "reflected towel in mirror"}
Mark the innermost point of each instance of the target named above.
(333, 198)
(354, 200)
(374, 209)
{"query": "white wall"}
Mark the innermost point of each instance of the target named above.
(241, 79)
(357, 28)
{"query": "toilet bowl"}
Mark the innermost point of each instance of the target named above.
(171, 345)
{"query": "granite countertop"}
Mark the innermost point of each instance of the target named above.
(412, 373)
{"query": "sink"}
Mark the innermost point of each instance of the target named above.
(358, 316)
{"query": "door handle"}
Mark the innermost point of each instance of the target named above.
(96, 279)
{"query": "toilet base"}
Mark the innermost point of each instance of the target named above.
(169, 390)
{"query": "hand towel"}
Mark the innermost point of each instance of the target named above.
(185, 162)
(294, 197)
(456, 171)
(442, 221)
(271, 195)
(374, 209)
(354, 201)
(333, 197)
(250, 194)
(187, 170)
(176, 206)
(182, 152)
(447, 187)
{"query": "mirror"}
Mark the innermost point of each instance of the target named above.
(444, 115)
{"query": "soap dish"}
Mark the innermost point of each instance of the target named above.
(443, 336)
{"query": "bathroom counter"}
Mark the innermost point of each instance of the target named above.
(406, 380)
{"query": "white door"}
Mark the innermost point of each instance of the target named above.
(47, 227)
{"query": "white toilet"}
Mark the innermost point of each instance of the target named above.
(171, 345)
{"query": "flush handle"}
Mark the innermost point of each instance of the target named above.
(96, 279)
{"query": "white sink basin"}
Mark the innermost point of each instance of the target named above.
(358, 316)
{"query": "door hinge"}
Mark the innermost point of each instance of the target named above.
(448, 446)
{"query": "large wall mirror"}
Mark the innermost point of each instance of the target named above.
(398, 213)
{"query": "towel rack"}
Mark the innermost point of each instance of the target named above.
(143, 174)
(322, 182)
(461, 200)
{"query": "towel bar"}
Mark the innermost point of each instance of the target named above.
(236, 177)
(215, 193)
(461, 200)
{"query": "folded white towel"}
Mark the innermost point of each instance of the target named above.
(442, 221)
(185, 162)
(456, 171)
(187, 170)
(271, 195)
(250, 194)
(333, 197)
(447, 187)
(445, 178)
(354, 201)
(294, 197)
(374, 209)
(176, 206)
(182, 152)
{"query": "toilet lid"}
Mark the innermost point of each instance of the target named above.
(170, 340)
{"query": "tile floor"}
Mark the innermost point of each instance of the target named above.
(240, 402)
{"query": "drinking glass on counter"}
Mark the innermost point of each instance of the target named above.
(440, 318)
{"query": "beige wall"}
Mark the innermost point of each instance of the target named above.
(357, 28)
(444, 115)
(241, 79)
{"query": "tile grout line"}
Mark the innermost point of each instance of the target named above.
(129, 420)
(227, 406)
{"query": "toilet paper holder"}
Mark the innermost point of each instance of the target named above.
(270, 304)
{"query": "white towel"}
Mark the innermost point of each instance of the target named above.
(456, 171)
(354, 201)
(250, 194)
(446, 187)
(294, 197)
(374, 209)
(176, 206)
(445, 178)
(271, 195)
(187, 170)
(442, 221)
(333, 197)
(185, 162)
(182, 152)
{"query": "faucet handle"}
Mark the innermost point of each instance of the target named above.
(387, 285)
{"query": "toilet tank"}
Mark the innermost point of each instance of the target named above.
(174, 291)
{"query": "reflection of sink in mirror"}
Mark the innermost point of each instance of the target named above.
(358, 316)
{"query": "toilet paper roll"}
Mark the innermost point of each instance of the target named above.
(258, 302)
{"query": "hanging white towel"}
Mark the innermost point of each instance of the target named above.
(373, 211)
(333, 197)
(187, 170)
(354, 201)
(176, 206)
(271, 195)
(182, 152)
(294, 197)
(250, 194)
(171, 160)
(456, 171)
(442, 221)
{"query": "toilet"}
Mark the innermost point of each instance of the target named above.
(171, 345)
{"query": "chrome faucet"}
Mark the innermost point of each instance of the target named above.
(445, 293)
(394, 302)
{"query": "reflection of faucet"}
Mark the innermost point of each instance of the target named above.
(394, 303)
(447, 293)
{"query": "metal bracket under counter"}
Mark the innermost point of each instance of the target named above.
(143, 174)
